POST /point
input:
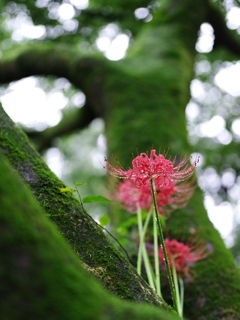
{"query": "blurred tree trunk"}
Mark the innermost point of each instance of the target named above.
(147, 102)
(142, 99)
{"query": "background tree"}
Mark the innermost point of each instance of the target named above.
(142, 100)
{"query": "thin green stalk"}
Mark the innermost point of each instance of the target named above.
(156, 258)
(181, 283)
(142, 252)
(146, 224)
(175, 279)
(140, 248)
(142, 232)
(148, 268)
(170, 279)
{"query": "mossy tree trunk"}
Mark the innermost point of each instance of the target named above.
(142, 99)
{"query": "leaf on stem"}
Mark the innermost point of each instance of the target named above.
(104, 220)
(90, 199)
(67, 190)
(79, 184)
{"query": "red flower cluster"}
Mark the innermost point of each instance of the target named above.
(155, 167)
(132, 197)
(175, 196)
(184, 255)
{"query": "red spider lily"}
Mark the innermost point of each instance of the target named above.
(155, 167)
(183, 255)
(175, 196)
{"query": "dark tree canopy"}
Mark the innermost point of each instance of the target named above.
(142, 100)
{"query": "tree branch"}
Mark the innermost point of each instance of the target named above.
(87, 74)
(71, 122)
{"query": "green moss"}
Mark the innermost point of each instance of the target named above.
(146, 100)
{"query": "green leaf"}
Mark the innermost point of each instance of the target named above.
(79, 184)
(99, 198)
(104, 220)
(67, 190)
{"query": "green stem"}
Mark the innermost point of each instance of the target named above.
(170, 279)
(140, 231)
(175, 279)
(156, 258)
(181, 283)
(146, 224)
(148, 268)
(142, 252)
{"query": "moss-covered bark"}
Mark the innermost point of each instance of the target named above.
(41, 277)
(86, 238)
(215, 291)
(148, 91)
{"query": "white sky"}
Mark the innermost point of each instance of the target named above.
(35, 108)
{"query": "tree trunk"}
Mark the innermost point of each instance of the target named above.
(147, 101)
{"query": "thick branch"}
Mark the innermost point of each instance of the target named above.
(71, 122)
(87, 239)
(87, 74)
(41, 278)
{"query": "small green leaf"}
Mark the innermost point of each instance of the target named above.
(79, 184)
(99, 198)
(104, 220)
(67, 190)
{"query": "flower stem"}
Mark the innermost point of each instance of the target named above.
(142, 252)
(175, 279)
(181, 283)
(140, 231)
(148, 268)
(156, 258)
(170, 279)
